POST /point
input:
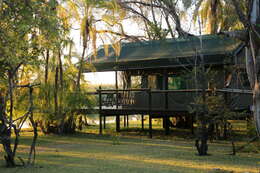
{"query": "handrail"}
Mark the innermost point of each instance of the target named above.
(239, 91)
(180, 91)
(111, 91)
(122, 90)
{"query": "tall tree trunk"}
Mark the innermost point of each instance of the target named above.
(213, 24)
(254, 47)
(47, 67)
(256, 103)
(253, 78)
(60, 111)
(56, 87)
(201, 142)
(81, 61)
(7, 130)
(251, 22)
(61, 71)
(5, 135)
(31, 158)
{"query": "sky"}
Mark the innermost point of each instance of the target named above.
(100, 78)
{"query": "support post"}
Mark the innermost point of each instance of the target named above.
(124, 120)
(192, 126)
(116, 90)
(166, 117)
(150, 111)
(144, 84)
(142, 121)
(104, 119)
(117, 116)
(117, 123)
(167, 123)
(150, 126)
(100, 109)
(127, 121)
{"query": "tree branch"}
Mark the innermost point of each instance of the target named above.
(240, 14)
(135, 38)
(165, 5)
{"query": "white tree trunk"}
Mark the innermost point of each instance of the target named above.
(253, 57)
(252, 68)
(256, 103)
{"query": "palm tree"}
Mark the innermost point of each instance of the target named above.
(216, 15)
(86, 13)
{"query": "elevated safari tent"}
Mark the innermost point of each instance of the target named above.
(158, 77)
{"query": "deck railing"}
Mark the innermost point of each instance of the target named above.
(144, 98)
(151, 99)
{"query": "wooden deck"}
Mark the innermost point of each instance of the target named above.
(154, 103)
(113, 111)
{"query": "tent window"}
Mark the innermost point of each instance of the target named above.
(152, 81)
(176, 83)
(136, 81)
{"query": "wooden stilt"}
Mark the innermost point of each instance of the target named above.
(127, 121)
(100, 124)
(192, 125)
(118, 123)
(124, 120)
(166, 117)
(150, 127)
(150, 109)
(100, 110)
(104, 119)
(142, 121)
(164, 121)
(167, 125)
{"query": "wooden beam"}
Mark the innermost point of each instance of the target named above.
(100, 109)
(104, 119)
(116, 86)
(124, 120)
(166, 116)
(118, 123)
(150, 110)
(192, 126)
(117, 116)
(167, 127)
(127, 121)
(150, 126)
(142, 121)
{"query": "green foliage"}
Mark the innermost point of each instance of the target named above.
(24, 27)
(217, 15)
(215, 107)
(27, 28)
(54, 117)
(251, 129)
(157, 32)
(211, 109)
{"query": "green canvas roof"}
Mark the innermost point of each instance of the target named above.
(167, 53)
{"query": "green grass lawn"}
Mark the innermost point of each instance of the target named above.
(84, 152)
